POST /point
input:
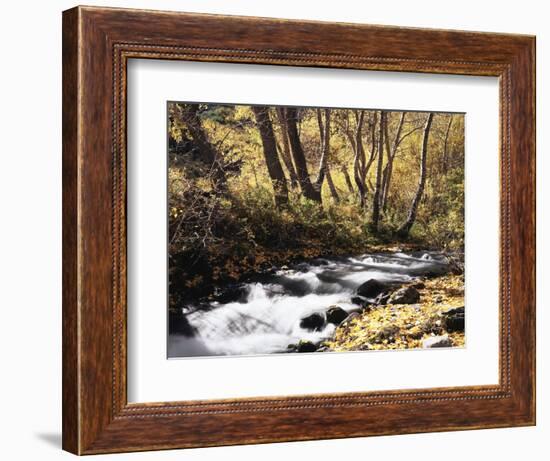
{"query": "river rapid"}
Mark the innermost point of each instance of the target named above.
(266, 317)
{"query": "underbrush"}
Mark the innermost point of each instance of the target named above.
(217, 238)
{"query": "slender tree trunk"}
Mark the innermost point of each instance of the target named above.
(285, 152)
(386, 180)
(377, 191)
(324, 134)
(207, 152)
(359, 158)
(332, 187)
(347, 179)
(274, 167)
(299, 158)
(445, 144)
(387, 169)
(406, 227)
(373, 149)
(365, 165)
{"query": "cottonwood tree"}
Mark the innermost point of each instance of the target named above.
(406, 227)
(306, 186)
(391, 152)
(285, 149)
(355, 136)
(273, 164)
(377, 191)
(445, 156)
(324, 169)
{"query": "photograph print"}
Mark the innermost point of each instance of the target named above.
(313, 229)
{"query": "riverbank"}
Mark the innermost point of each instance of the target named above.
(406, 326)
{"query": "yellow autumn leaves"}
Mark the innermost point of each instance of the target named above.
(403, 326)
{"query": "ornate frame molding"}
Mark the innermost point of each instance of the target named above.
(97, 45)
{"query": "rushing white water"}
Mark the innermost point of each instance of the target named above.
(267, 318)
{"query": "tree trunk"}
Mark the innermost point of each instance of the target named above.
(332, 187)
(377, 191)
(274, 167)
(285, 152)
(208, 154)
(406, 227)
(360, 165)
(373, 149)
(445, 150)
(347, 179)
(359, 159)
(324, 135)
(299, 158)
(386, 180)
(366, 165)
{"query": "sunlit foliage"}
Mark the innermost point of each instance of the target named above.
(224, 220)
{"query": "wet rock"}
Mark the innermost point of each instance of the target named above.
(371, 288)
(437, 341)
(179, 325)
(453, 319)
(302, 267)
(382, 299)
(306, 346)
(336, 315)
(231, 294)
(436, 272)
(358, 300)
(361, 301)
(320, 262)
(452, 324)
(419, 285)
(313, 322)
(406, 295)
(453, 311)
(328, 277)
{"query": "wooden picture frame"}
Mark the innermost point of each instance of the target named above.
(97, 43)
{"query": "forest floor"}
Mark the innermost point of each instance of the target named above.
(404, 326)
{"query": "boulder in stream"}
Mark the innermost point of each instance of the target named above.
(231, 293)
(178, 324)
(371, 288)
(336, 315)
(306, 346)
(313, 322)
(361, 301)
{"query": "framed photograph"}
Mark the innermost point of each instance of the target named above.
(285, 230)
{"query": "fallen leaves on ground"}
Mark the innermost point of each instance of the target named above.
(403, 326)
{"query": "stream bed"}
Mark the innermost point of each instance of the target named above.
(263, 316)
